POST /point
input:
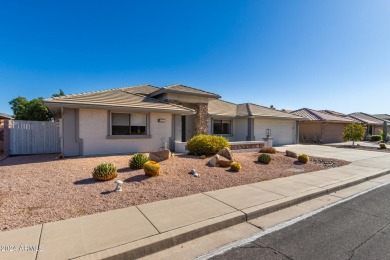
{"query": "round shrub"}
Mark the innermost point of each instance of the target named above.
(264, 158)
(138, 160)
(376, 138)
(151, 168)
(303, 158)
(235, 166)
(206, 144)
(267, 149)
(104, 172)
(382, 145)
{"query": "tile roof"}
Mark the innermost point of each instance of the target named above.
(182, 89)
(383, 116)
(219, 107)
(331, 112)
(261, 111)
(314, 115)
(367, 119)
(128, 97)
(5, 116)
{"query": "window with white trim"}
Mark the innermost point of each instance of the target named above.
(128, 124)
(222, 127)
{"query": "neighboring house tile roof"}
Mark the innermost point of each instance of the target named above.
(222, 108)
(367, 119)
(181, 89)
(118, 98)
(314, 115)
(5, 116)
(331, 112)
(383, 116)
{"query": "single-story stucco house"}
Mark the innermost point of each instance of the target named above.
(5, 116)
(383, 116)
(322, 126)
(146, 118)
(374, 124)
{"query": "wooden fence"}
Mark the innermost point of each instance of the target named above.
(33, 137)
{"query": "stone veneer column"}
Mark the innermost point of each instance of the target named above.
(201, 118)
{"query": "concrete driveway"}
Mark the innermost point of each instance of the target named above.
(351, 155)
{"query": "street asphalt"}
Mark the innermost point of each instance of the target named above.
(356, 229)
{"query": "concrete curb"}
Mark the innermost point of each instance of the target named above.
(156, 243)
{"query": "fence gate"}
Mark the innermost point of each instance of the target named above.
(33, 137)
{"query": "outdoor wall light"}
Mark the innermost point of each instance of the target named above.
(161, 120)
(268, 132)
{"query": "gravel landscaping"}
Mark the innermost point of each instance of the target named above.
(361, 147)
(40, 188)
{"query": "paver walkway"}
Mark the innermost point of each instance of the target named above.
(137, 231)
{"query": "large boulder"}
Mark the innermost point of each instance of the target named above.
(160, 156)
(224, 163)
(227, 153)
(214, 160)
(291, 154)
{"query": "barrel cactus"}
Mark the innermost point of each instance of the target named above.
(235, 166)
(382, 145)
(303, 158)
(264, 158)
(151, 168)
(105, 172)
(138, 160)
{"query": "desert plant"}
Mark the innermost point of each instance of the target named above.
(303, 158)
(105, 172)
(267, 149)
(151, 168)
(235, 166)
(376, 138)
(206, 144)
(138, 160)
(382, 145)
(264, 158)
(354, 132)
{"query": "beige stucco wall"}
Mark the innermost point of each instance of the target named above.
(93, 127)
(283, 131)
(240, 129)
(321, 131)
(332, 132)
(309, 130)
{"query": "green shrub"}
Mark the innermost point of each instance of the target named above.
(376, 138)
(267, 149)
(151, 168)
(235, 166)
(138, 160)
(104, 172)
(264, 158)
(382, 145)
(206, 144)
(303, 158)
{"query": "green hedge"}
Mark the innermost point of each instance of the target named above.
(376, 138)
(206, 144)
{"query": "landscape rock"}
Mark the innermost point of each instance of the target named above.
(160, 156)
(214, 160)
(291, 154)
(227, 153)
(224, 163)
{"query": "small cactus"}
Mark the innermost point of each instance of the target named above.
(105, 172)
(138, 160)
(382, 145)
(235, 166)
(303, 158)
(264, 158)
(151, 168)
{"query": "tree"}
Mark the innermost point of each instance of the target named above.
(33, 110)
(272, 107)
(354, 132)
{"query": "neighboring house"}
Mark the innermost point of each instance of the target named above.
(321, 127)
(374, 124)
(5, 116)
(383, 116)
(145, 118)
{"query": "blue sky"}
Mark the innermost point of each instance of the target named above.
(332, 54)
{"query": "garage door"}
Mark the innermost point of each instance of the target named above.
(283, 131)
(332, 133)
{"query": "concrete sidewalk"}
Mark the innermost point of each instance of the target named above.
(145, 229)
